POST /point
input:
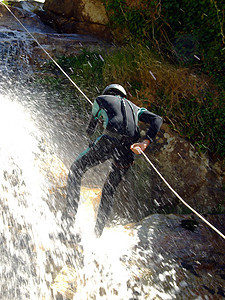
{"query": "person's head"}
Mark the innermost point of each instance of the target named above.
(115, 90)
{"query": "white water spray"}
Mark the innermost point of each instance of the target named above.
(31, 228)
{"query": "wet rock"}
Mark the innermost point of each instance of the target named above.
(29, 19)
(30, 6)
(64, 45)
(195, 177)
(180, 262)
(189, 224)
(83, 16)
(167, 262)
(55, 44)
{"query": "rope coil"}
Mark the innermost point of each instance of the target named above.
(145, 156)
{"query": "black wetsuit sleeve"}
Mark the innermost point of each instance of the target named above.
(155, 122)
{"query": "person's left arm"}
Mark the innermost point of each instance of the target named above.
(155, 122)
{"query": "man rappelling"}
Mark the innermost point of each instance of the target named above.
(119, 141)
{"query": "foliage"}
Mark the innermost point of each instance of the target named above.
(186, 31)
(86, 72)
(59, 90)
(145, 71)
(189, 102)
(85, 69)
(204, 122)
(6, 3)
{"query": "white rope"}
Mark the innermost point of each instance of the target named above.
(148, 160)
(179, 197)
(47, 54)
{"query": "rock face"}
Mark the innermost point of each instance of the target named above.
(54, 43)
(30, 20)
(199, 181)
(192, 256)
(168, 261)
(77, 16)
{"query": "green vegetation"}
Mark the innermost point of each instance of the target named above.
(6, 3)
(185, 31)
(189, 102)
(170, 58)
(81, 68)
(190, 92)
(86, 70)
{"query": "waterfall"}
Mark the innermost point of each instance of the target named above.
(32, 126)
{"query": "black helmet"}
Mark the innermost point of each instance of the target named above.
(115, 89)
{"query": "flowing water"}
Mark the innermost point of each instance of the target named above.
(35, 128)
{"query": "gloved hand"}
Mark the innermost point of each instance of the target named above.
(138, 147)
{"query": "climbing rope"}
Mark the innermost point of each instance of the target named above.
(179, 197)
(145, 156)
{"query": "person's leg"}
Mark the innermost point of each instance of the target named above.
(123, 158)
(76, 172)
(84, 161)
(107, 199)
(92, 156)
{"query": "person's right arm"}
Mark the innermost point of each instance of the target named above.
(94, 118)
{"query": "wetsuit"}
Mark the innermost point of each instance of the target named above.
(120, 121)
